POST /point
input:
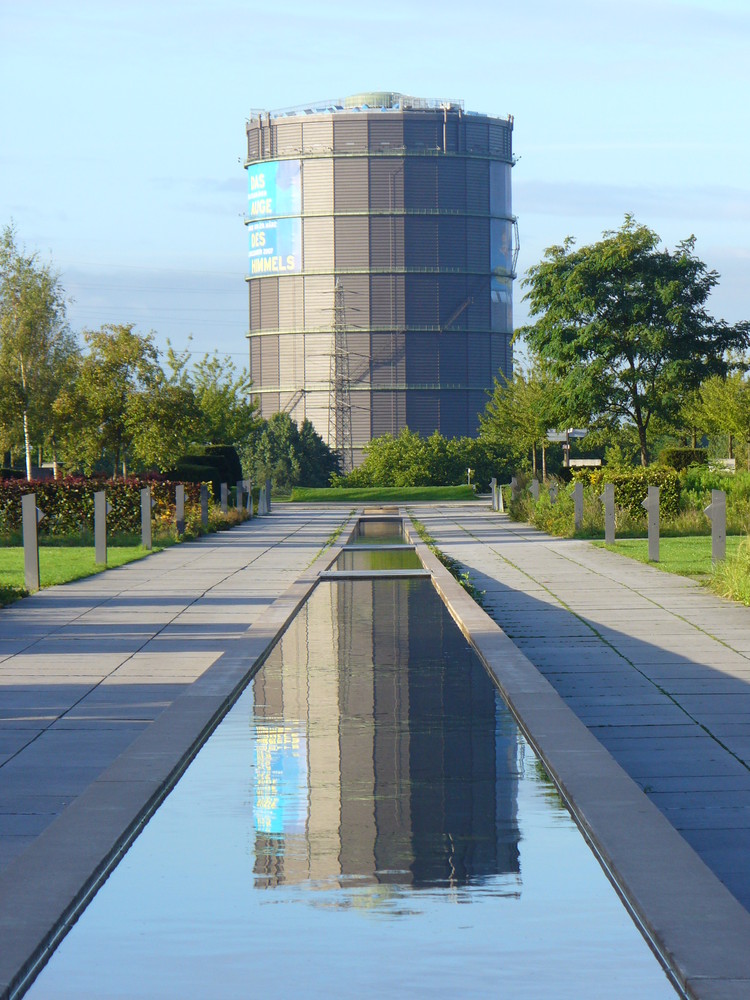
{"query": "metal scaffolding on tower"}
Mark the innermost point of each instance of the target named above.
(340, 402)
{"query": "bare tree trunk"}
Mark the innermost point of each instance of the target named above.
(544, 464)
(533, 460)
(731, 446)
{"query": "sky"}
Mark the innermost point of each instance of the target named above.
(122, 131)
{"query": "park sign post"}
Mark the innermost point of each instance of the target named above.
(563, 437)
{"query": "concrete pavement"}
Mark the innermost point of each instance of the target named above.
(655, 666)
(85, 668)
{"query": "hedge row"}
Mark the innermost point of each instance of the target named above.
(631, 487)
(68, 504)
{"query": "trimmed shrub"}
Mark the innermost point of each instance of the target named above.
(68, 504)
(228, 462)
(631, 487)
(683, 458)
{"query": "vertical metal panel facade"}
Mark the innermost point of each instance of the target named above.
(408, 210)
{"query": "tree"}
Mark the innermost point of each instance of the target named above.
(162, 421)
(121, 367)
(623, 324)
(288, 455)
(521, 411)
(725, 404)
(36, 346)
(223, 396)
(317, 462)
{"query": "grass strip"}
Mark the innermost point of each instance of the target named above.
(67, 558)
(686, 556)
(392, 494)
(61, 564)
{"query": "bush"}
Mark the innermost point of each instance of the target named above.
(228, 462)
(631, 487)
(683, 458)
(412, 460)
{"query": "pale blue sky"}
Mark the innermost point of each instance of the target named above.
(122, 126)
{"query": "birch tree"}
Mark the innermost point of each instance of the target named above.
(35, 345)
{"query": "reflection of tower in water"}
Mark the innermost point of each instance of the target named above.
(379, 755)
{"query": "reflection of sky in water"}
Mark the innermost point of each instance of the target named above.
(358, 832)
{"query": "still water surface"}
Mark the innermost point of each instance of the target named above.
(367, 821)
(378, 559)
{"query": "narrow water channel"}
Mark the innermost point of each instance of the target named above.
(367, 821)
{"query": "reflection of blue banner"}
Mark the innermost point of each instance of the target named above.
(280, 780)
(274, 188)
(275, 246)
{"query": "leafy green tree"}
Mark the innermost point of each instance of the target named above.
(317, 462)
(120, 368)
(521, 411)
(163, 421)
(289, 455)
(228, 414)
(623, 324)
(36, 346)
(725, 404)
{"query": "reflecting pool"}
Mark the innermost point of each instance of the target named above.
(367, 821)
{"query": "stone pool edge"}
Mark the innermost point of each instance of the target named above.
(700, 932)
(44, 891)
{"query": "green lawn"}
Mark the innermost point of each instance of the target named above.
(687, 556)
(387, 494)
(60, 564)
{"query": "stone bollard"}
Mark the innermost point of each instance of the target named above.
(224, 498)
(514, 488)
(179, 508)
(204, 505)
(30, 518)
(262, 501)
(608, 498)
(493, 493)
(268, 496)
(238, 495)
(534, 488)
(651, 505)
(500, 500)
(553, 493)
(101, 509)
(717, 514)
(578, 506)
(147, 505)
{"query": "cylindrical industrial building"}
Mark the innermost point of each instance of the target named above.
(382, 252)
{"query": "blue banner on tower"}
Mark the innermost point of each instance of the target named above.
(274, 204)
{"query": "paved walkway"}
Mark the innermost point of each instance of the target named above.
(653, 664)
(87, 667)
